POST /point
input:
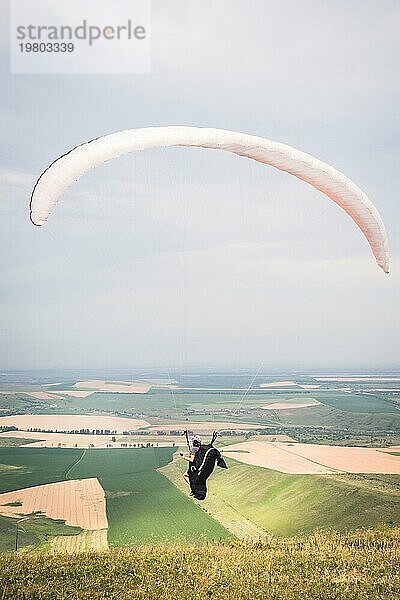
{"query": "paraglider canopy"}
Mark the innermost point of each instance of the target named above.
(68, 168)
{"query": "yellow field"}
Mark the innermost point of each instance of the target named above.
(119, 387)
(87, 541)
(80, 503)
(73, 422)
(278, 384)
(290, 405)
(314, 458)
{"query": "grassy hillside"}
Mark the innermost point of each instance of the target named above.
(289, 504)
(358, 566)
(245, 498)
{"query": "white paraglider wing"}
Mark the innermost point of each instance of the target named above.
(62, 173)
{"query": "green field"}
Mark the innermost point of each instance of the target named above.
(15, 441)
(328, 416)
(357, 403)
(37, 466)
(358, 566)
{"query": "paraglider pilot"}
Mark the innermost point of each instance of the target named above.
(202, 459)
(193, 447)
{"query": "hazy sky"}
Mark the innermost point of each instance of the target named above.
(193, 257)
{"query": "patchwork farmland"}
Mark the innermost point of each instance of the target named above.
(141, 505)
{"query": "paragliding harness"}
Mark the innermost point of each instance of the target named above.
(203, 465)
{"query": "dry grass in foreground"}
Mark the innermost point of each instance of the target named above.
(360, 565)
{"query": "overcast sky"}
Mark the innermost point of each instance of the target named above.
(192, 257)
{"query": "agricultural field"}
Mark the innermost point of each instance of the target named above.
(261, 407)
(313, 458)
(349, 439)
(72, 422)
(86, 541)
(169, 404)
(357, 403)
(36, 466)
(14, 442)
(147, 500)
(327, 416)
(19, 402)
(74, 440)
(80, 503)
(291, 405)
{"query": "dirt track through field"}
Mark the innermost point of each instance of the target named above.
(82, 456)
